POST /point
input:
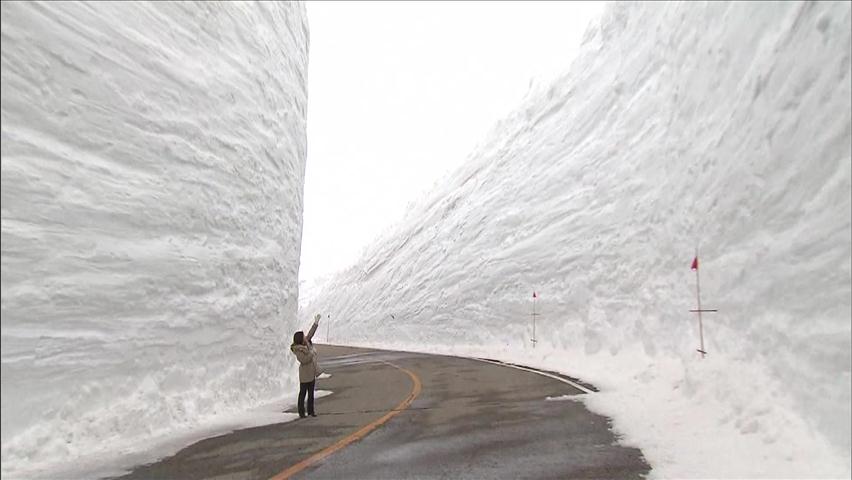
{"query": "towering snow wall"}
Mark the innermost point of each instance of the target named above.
(153, 158)
(721, 125)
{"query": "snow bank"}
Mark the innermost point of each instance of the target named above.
(153, 161)
(725, 125)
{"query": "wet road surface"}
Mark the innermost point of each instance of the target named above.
(471, 419)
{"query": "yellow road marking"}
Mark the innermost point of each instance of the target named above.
(358, 435)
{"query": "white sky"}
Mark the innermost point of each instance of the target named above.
(399, 93)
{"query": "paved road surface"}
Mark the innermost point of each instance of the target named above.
(471, 419)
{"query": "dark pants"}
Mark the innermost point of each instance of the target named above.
(306, 387)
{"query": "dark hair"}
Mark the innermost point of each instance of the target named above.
(298, 338)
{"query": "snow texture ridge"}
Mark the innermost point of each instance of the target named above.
(721, 125)
(153, 160)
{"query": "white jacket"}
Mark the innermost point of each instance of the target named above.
(308, 366)
(307, 355)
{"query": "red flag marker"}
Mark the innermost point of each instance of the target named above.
(533, 315)
(699, 310)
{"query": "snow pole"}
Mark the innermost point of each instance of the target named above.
(698, 299)
(328, 328)
(699, 310)
(533, 315)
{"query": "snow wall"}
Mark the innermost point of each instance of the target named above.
(153, 160)
(719, 125)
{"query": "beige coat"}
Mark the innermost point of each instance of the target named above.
(307, 355)
(308, 366)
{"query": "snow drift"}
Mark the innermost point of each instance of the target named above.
(719, 125)
(153, 160)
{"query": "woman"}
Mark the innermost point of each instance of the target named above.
(304, 349)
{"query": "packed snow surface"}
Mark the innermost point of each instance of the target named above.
(153, 159)
(722, 126)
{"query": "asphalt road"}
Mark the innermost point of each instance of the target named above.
(469, 419)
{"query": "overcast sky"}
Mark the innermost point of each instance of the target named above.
(399, 93)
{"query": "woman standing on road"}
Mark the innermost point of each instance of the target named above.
(304, 349)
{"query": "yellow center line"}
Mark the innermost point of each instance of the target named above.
(358, 435)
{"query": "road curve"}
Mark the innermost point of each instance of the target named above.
(467, 419)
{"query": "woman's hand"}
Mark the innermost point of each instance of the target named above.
(317, 318)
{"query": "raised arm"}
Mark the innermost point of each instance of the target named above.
(313, 329)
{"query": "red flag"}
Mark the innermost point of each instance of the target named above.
(695, 263)
(534, 295)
